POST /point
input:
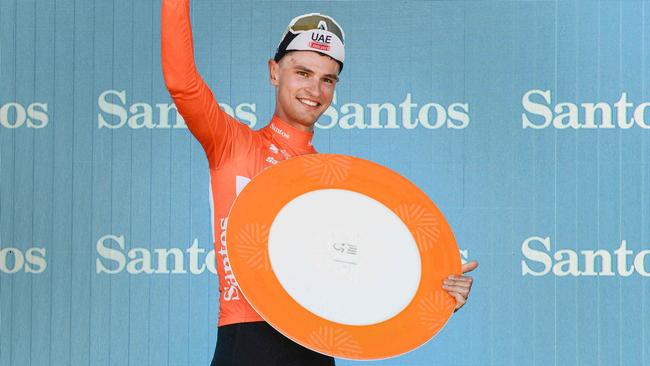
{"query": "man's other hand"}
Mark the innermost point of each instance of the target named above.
(460, 286)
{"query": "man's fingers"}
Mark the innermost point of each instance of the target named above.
(469, 266)
(464, 283)
(457, 290)
(458, 286)
(464, 278)
(460, 300)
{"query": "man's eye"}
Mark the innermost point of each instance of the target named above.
(329, 81)
(302, 73)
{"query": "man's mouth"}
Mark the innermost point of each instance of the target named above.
(310, 103)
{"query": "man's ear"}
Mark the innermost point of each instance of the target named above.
(274, 71)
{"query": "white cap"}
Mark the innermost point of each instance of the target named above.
(313, 32)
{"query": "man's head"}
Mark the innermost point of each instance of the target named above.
(305, 69)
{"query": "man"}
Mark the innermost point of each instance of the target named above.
(304, 73)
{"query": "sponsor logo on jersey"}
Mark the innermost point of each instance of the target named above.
(230, 285)
(279, 131)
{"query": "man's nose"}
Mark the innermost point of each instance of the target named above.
(313, 87)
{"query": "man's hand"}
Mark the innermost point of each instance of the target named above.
(459, 286)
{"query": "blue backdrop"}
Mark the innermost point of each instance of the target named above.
(527, 122)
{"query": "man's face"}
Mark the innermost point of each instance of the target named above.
(304, 82)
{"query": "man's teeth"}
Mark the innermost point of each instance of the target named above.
(308, 102)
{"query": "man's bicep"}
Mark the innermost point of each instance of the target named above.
(209, 124)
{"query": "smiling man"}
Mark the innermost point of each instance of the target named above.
(304, 72)
(305, 83)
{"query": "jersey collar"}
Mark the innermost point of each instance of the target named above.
(290, 135)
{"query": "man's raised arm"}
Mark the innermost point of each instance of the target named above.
(194, 100)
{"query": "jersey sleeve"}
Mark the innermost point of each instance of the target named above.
(211, 126)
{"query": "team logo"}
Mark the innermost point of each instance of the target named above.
(320, 41)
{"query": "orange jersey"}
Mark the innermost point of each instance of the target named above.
(235, 152)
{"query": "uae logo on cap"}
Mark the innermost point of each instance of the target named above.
(320, 41)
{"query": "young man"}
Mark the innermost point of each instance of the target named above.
(304, 73)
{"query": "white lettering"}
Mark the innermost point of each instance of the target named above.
(356, 116)
(110, 254)
(587, 115)
(621, 260)
(34, 116)
(567, 263)
(590, 262)
(458, 112)
(37, 112)
(141, 117)
(11, 266)
(584, 263)
(140, 261)
(536, 256)
(13, 260)
(536, 109)
(231, 287)
(621, 106)
(423, 116)
(35, 257)
(112, 109)
(279, 131)
(333, 116)
(113, 259)
(163, 258)
(590, 115)
(164, 110)
(385, 115)
(116, 112)
(566, 111)
(639, 263)
(245, 112)
(639, 115)
(407, 107)
(375, 115)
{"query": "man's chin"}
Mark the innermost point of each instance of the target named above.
(308, 120)
(305, 118)
(308, 123)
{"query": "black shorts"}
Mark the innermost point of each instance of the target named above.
(258, 344)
